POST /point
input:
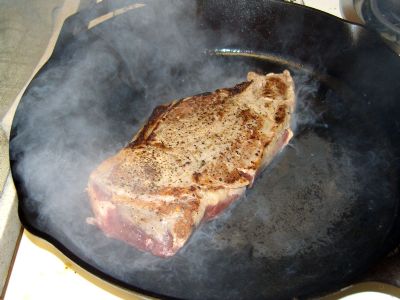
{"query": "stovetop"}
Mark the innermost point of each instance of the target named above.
(382, 16)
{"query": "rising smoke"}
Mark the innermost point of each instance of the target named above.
(91, 99)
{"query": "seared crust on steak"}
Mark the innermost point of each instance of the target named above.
(190, 160)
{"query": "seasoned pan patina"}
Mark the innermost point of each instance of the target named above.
(322, 213)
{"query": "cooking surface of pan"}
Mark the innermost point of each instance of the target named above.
(318, 217)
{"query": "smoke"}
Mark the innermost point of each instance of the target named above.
(97, 92)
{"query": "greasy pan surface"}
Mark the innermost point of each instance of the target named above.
(315, 220)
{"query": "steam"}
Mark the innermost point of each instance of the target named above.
(89, 103)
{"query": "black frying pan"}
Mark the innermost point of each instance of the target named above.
(323, 212)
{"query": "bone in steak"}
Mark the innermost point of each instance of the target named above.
(190, 161)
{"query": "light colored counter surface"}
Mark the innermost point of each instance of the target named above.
(46, 276)
(25, 30)
(39, 270)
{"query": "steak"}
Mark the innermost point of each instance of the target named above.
(190, 161)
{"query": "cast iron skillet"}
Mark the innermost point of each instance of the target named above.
(324, 211)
